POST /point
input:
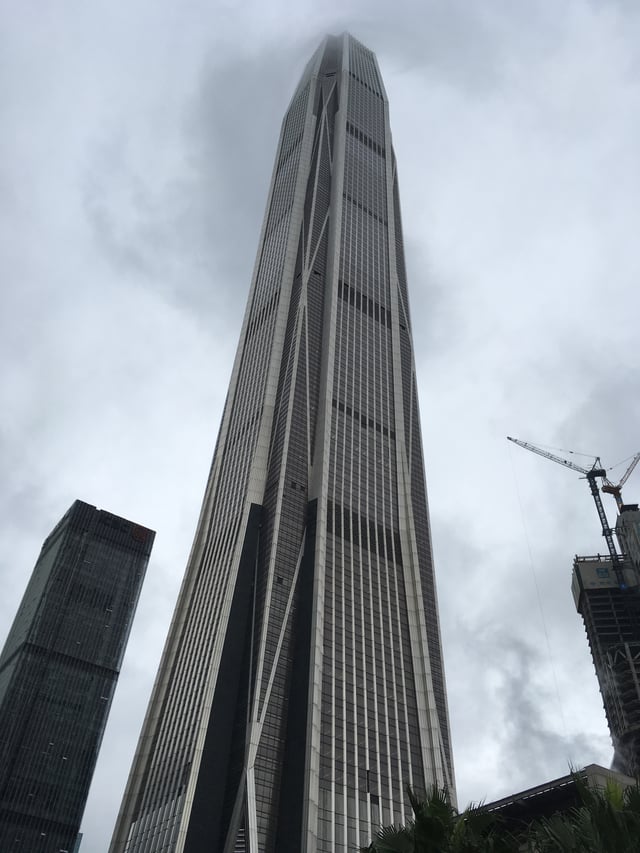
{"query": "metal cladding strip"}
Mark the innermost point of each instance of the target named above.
(409, 428)
(419, 643)
(319, 483)
(251, 812)
(337, 667)
(390, 364)
(375, 509)
(269, 676)
(276, 659)
(264, 444)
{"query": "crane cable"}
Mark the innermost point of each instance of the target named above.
(586, 455)
(618, 464)
(539, 597)
(571, 452)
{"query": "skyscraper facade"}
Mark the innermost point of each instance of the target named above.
(301, 687)
(58, 672)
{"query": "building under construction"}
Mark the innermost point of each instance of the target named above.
(611, 614)
(606, 590)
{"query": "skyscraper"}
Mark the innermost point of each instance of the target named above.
(58, 672)
(301, 686)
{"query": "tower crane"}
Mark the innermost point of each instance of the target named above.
(591, 475)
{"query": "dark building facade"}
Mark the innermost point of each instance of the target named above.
(302, 686)
(58, 672)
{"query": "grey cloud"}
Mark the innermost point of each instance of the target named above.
(187, 232)
(511, 721)
(123, 242)
(607, 418)
(528, 741)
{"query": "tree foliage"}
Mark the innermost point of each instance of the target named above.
(605, 821)
(436, 827)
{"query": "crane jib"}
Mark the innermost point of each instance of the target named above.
(592, 475)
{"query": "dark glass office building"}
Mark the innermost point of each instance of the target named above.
(58, 672)
(302, 684)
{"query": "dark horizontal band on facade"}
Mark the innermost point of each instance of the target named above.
(366, 85)
(363, 419)
(8, 817)
(360, 530)
(364, 208)
(60, 657)
(366, 140)
(362, 302)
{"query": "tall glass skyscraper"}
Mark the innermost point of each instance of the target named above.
(58, 673)
(302, 686)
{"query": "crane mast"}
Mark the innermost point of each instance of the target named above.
(591, 475)
(616, 559)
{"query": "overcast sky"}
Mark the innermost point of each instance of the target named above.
(137, 145)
